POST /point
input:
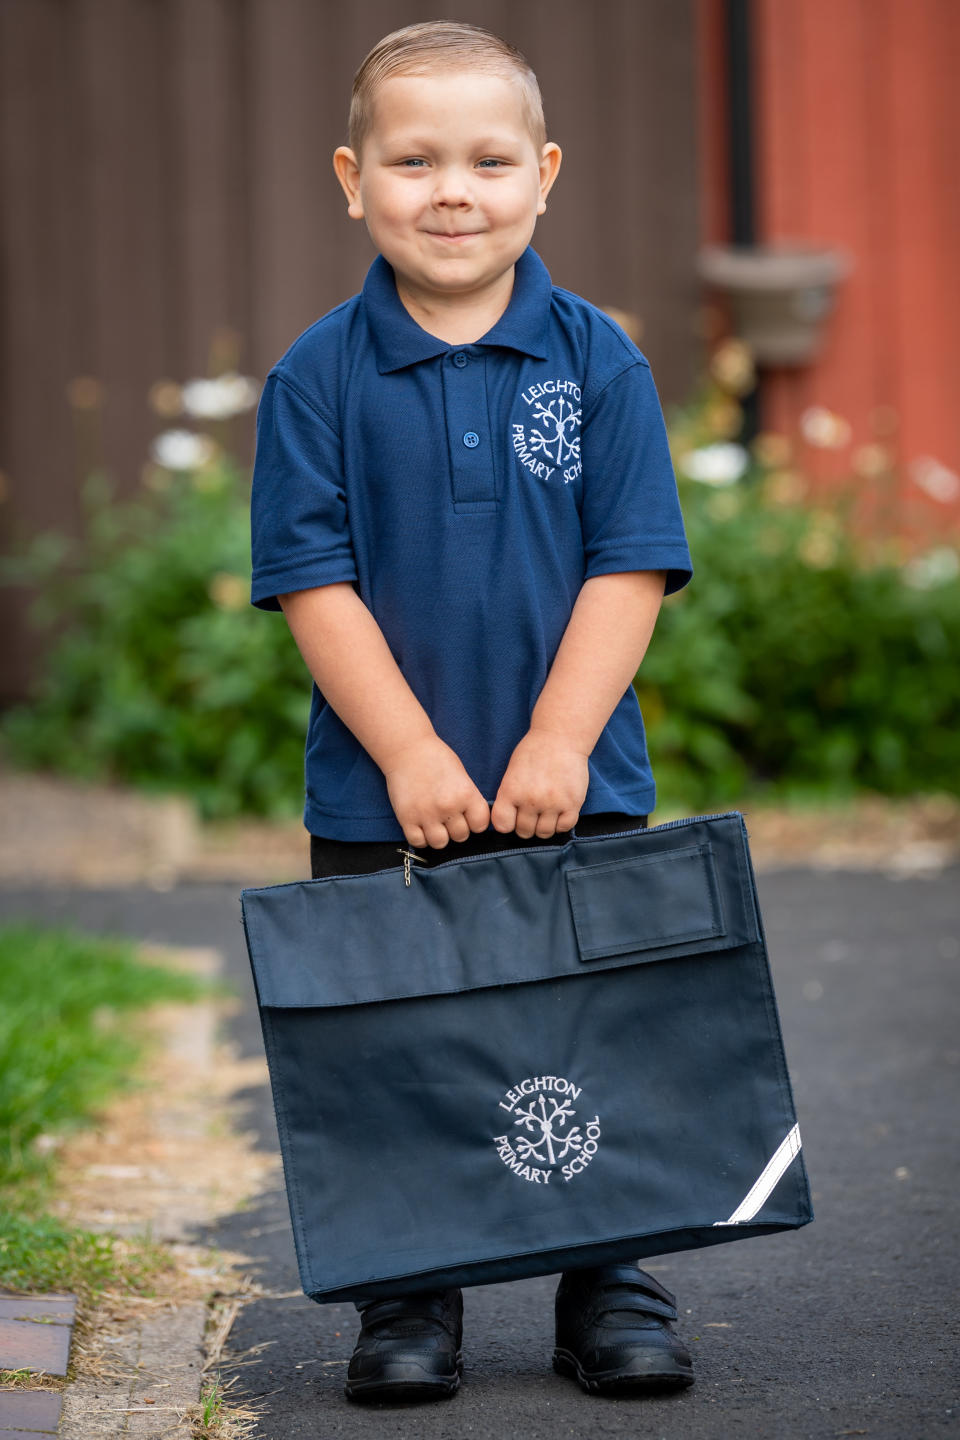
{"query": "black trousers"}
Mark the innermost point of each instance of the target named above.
(365, 857)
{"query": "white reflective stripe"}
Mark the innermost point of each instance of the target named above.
(769, 1177)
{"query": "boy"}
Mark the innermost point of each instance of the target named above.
(464, 504)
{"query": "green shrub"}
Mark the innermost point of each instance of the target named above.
(791, 664)
(163, 674)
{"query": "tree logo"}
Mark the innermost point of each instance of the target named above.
(549, 441)
(542, 1106)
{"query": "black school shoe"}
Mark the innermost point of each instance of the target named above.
(612, 1332)
(408, 1349)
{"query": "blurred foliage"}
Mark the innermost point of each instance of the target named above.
(807, 657)
(791, 665)
(162, 674)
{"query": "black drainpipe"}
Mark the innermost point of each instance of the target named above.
(740, 140)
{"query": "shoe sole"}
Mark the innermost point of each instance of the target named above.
(619, 1382)
(402, 1383)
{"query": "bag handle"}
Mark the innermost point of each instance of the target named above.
(640, 823)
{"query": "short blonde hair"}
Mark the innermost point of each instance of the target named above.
(436, 45)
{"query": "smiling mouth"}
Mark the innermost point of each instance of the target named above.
(455, 235)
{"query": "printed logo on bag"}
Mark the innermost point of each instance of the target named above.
(542, 1131)
(548, 442)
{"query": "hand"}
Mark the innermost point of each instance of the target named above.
(432, 795)
(543, 789)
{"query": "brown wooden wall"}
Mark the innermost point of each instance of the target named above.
(165, 177)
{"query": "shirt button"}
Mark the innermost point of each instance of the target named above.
(460, 360)
(471, 439)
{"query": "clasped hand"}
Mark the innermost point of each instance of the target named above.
(435, 800)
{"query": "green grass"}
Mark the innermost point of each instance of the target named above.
(71, 1035)
(38, 1252)
(211, 1402)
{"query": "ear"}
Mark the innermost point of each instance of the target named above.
(549, 167)
(347, 170)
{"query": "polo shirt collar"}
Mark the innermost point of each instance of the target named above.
(399, 340)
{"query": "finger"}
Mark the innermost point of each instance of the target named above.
(415, 837)
(478, 815)
(546, 825)
(437, 836)
(567, 819)
(457, 828)
(504, 816)
(526, 824)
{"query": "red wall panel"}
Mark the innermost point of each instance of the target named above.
(856, 126)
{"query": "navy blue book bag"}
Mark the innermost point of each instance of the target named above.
(528, 1061)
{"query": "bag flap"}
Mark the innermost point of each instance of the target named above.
(504, 919)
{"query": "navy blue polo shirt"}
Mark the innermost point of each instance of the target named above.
(467, 491)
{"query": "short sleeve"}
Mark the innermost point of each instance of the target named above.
(300, 537)
(631, 511)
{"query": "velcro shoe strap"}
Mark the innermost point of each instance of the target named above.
(429, 1307)
(623, 1297)
(636, 1279)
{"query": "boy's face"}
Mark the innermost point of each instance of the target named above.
(450, 183)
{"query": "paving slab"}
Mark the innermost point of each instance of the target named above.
(24, 1434)
(32, 1345)
(155, 1375)
(35, 1333)
(44, 1308)
(33, 1411)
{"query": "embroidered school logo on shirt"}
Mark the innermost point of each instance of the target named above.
(548, 442)
(543, 1132)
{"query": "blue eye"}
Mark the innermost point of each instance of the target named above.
(491, 163)
(414, 164)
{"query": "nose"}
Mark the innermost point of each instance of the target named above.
(453, 187)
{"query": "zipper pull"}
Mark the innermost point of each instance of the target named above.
(408, 860)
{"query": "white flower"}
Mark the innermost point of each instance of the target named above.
(937, 567)
(933, 477)
(720, 464)
(821, 427)
(221, 398)
(182, 450)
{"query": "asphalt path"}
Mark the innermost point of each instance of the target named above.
(845, 1328)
